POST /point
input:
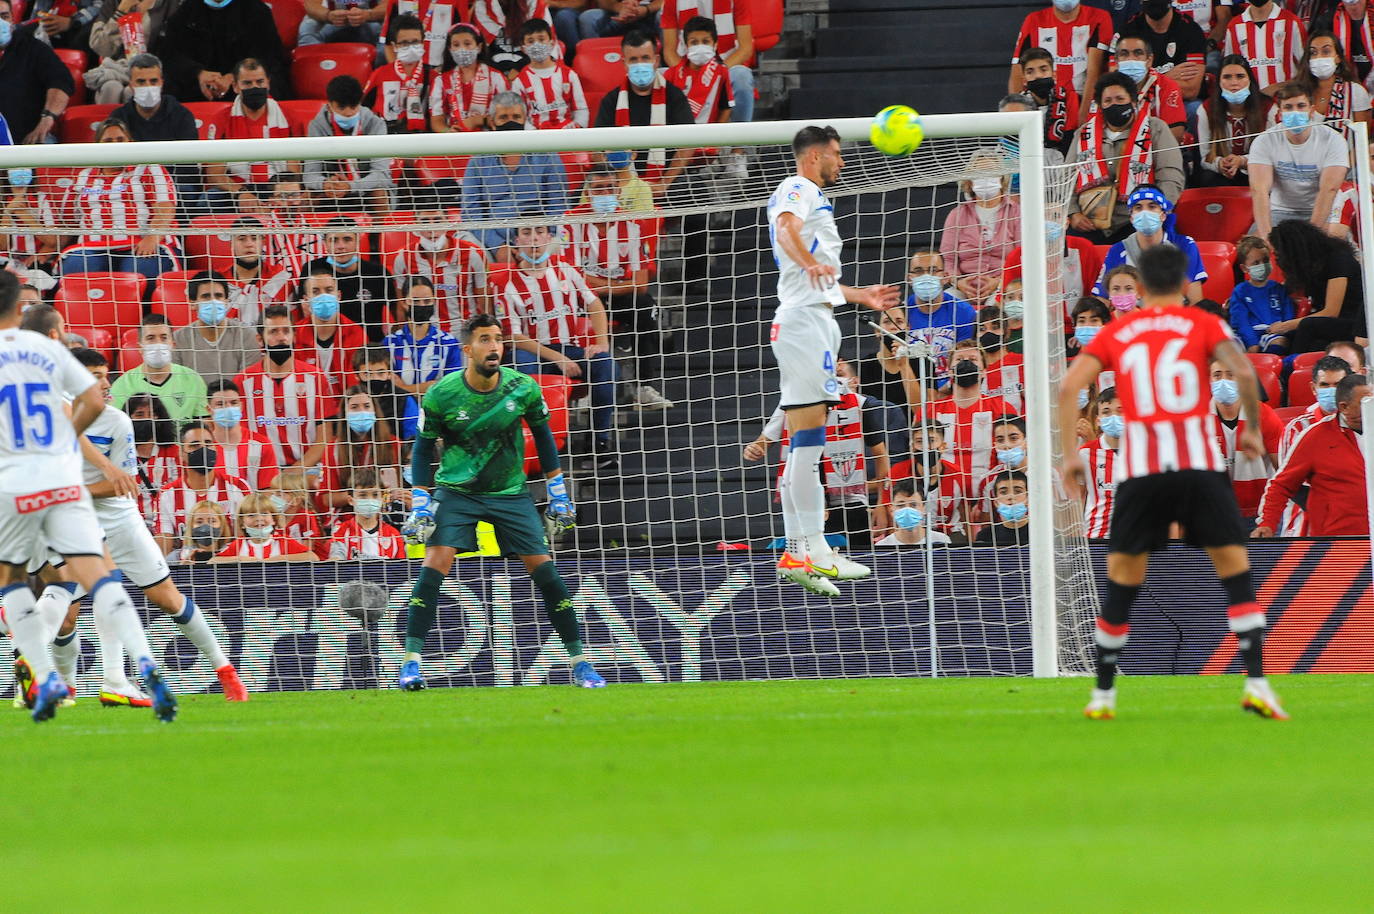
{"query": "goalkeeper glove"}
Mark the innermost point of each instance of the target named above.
(559, 516)
(420, 524)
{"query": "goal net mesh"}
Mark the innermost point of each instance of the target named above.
(672, 556)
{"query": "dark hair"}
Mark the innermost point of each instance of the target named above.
(1346, 389)
(1291, 89)
(352, 447)
(1163, 270)
(215, 387)
(1034, 54)
(515, 16)
(905, 487)
(1115, 78)
(153, 320)
(700, 24)
(534, 27)
(1352, 344)
(248, 63)
(991, 313)
(411, 282)
(42, 319)
(478, 322)
(371, 355)
(1015, 422)
(164, 429)
(1107, 395)
(1211, 307)
(464, 28)
(1138, 35)
(344, 91)
(109, 122)
(316, 268)
(1331, 363)
(1090, 305)
(637, 38)
(813, 136)
(365, 478)
(1304, 254)
(192, 426)
(249, 222)
(90, 358)
(1343, 69)
(9, 292)
(1255, 106)
(273, 311)
(1009, 476)
(403, 22)
(202, 278)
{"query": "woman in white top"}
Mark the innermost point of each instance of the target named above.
(1331, 81)
(909, 515)
(1228, 123)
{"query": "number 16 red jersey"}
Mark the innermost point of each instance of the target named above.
(1163, 363)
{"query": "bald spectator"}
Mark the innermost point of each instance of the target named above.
(35, 85)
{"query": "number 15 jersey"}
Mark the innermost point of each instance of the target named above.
(1163, 363)
(37, 443)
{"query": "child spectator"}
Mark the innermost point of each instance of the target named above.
(1101, 466)
(1010, 497)
(398, 91)
(358, 439)
(155, 447)
(292, 498)
(551, 90)
(1078, 35)
(240, 451)
(968, 414)
(207, 532)
(420, 351)
(376, 372)
(1057, 99)
(324, 336)
(500, 21)
(348, 183)
(453, 262)
(260, 538)
(1005, 368)
(732, 38)
(1259, 302)
(460, 99)
(937, 479)
(329, 21)
(365, 535)
(1089, 316)
(702, 76)
(180, 389)
(910, 518)
(1248, 474)
(1121, 288)
(980, 232)
(1009, 442)
(1228, 123)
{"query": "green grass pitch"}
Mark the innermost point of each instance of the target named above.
(875, 795)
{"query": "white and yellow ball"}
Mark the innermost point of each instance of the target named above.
(896, 130)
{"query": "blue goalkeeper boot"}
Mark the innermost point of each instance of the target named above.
(164, 702)
(48, 698)
(586, 676)
(411, 679)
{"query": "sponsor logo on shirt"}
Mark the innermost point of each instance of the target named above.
(283, 420)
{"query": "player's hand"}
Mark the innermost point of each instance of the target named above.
(419, 525)
(1072, 471)
(1251, 443)
(821, 275)
(123, 483)
(1262, 533)
(878, 298)
(559, 516)
(756, 449)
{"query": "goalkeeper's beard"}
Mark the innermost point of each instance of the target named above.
(488, 366)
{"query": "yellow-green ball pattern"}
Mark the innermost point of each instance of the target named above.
(896, 130)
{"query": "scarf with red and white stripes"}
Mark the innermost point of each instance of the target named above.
(1134, 168)
(703, 88)
(658, 112)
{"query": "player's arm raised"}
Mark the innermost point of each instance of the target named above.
(1082, 372)
(1229, 353)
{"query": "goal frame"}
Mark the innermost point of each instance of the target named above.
(1025, 127)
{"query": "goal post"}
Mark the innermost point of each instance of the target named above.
(889, 202)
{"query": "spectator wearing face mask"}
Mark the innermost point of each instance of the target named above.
(254, 115)
(1330, 80)
(636, 196)
(1120, 148)
(1079, 35)
(362, 284)
(910, 519)
(1057, 99)
(205, 38)
(1159, 94)
(253, 282)
(1005, 368)
(1327, 374)
(551, 90)
(1009, 446)
(1248, 474)
(398, 91)
(1270, 38)
(1081, 259)
(1258, 302)
(239, 451)
(377, 372)
(35, 85)
(1152, 218)
(155, 448)
(291, 241)
(27, 217)
(729, 26)
(364, 535)
(421, 352)
(1227, 125)
(329, 21)
(150, 114)
(285, 399)
(215, 346)
(979, 233)
(1089, 316)
(292, 499)
(1178, 43)
(499, 23)
(1011, 507)
(180, 389)
(702, 76)
(460, 98)
(1102, 465)
(646, 99)
(348, 183)
(934, 316)
(1121, 288)
(937, 479)
(452, 264)
(1328, 458)
(968, 414)
(260, 538)
(323, 335)
(122, 30)
(199, 480)
(358, 439)
(207, 532)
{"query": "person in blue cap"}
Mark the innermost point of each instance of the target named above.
(1152, 217)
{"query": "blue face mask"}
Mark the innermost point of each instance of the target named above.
(1082, 399)
(338, 264)
(325, 306)
(1296, 121)
(19, 177)
(367, 507)
(1011, 456)
(618, 160)
(908, 518)
(212, 312)
(641, 74)
(1225, 391)
(1013, 513)
(927, 287)
(218, 4)
(228, 416)
(1146, 222)
(536, 259)
(1326, 399)
(6, 33)
(1085, 333)
(1054, 232)
(362, 422)
(1237, 97)
(605, 203)
(345, 123)
(1135, 69)
(1112, 426)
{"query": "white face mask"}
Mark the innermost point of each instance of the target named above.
(986, 188)
(411, 53)
(259, 533)
(157, 355)
(147, 96)
(433, 244)
(698, 55)
(1322, 67)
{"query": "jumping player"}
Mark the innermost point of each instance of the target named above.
(1171, 467)
(477, 413)
(806, 343)
(43, 504)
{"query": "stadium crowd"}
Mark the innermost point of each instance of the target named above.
(273, 356)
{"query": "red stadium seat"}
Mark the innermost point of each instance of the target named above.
(1264, 361)
(205, 113)
(287, 14)
(169, 298)
(557, 390)
(313, 66)
(301, 111)
(209, 251)
(1217, 258)
(1305, 360)
(1287, 414)
(433, 169)
(575, 166)
(598, 65)
(1300, 393)
(766, 27)
(110, 300)
(1214, 213)
(79, 122)
(1273, 390)
(77, 63)
(97, 338)
(130, 355)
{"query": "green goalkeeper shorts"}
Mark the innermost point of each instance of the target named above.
(519, 530)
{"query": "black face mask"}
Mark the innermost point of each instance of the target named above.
(421, 314)
(203, 535)
(1118, 116)
(990, 340)
(509, 125)
(966, 373)
(200, 459)
(280, 353)
(247, 263)
(927, 458)
(143, 430)
(380, 388)
(1155, 9)
(255, 98)
(1042, 87)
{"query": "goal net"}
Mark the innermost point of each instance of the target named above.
(309, 301)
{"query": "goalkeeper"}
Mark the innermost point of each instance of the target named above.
(477, 412)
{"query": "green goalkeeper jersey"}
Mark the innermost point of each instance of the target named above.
(484, 446)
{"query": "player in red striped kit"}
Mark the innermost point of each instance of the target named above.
(1173, 469)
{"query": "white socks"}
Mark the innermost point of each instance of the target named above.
(803, 495)
(65, 653)
(27, 629)
(194, 626)
(111, 605)
(53, 604)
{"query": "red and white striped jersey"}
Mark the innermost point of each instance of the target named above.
(305, 526)
(1200, 11)
(336, 358)
(983, 491)
(454, 100)
(1090, 30)
(968, 432)
(113, 210)
(1249, 474)
(351, 541)
(24, 247)
(249, 298)
(275, 548)
(490, 18)
(253, 460)
(286, 410)
(843, 466)
(1005, 378)
(400, 97)
(944, 503)
(548, 306)
(707, 88)
(175, 503)
(1100, 466)
(611, 250)
(155, 474)
(234, 124)
(1162, 359)
(553, 97)
(1296, 426)
(726, 14)
(1273, 47)
(289, 247)
(458, 271)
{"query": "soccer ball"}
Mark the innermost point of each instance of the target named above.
(896, 130)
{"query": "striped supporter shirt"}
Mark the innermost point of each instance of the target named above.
(548, 306)
(286, 410)
(174, 504)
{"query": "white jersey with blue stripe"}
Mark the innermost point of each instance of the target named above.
(112, 433)
(37, 442)
(801, 197)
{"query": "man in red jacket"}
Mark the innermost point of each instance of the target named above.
(1328, 457)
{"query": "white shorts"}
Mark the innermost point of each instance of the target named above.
(806, 342)
(60, 519)
(134, 550)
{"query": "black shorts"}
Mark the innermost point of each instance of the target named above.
(1201, 500)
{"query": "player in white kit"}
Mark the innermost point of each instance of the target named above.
(806, 343)
(109, 462)
(44, 504)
